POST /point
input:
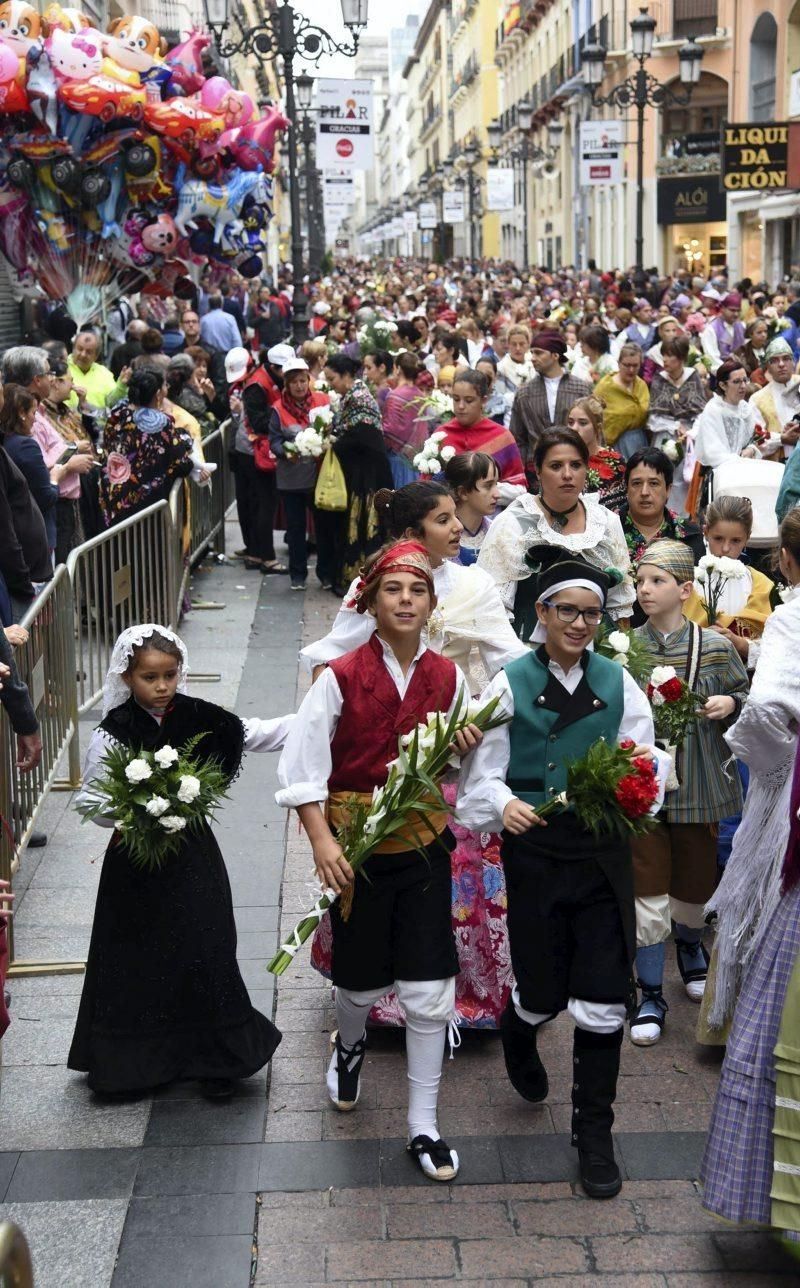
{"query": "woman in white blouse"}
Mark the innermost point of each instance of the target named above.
(560, 516)
(727, 424)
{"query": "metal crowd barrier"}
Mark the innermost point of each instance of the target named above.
(124, 576)
(16, 1269)
(47, 665)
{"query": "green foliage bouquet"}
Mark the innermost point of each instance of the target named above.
(155, 797)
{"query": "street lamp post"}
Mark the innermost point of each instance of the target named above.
(288, 34)
(471, 155)
(304, 85)
(642, 90)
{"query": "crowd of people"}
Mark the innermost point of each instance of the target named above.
(514, 468)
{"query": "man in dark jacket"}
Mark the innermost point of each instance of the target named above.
(24, 553)
(16, 701)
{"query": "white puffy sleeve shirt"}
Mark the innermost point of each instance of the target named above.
(306, 764)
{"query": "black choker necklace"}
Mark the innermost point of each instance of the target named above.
(559, 517)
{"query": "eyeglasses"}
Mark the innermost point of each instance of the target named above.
(571, 613)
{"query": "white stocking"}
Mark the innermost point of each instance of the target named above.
(352, 1010)
(429, 1006)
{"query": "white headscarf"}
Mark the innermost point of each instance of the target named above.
(115, 690)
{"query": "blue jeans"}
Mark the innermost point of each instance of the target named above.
(629, 442)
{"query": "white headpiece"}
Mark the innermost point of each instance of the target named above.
(115, 690)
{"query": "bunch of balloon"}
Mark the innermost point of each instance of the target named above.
(123, 166)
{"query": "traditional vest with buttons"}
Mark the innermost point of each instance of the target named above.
(552, 727)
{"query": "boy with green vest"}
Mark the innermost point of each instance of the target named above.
(570, 897)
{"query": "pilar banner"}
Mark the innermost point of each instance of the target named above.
(427, 214)
(499, 188)
(344, 124)
(453, 207)
(602, 144)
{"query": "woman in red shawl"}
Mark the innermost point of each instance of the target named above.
(471, 431)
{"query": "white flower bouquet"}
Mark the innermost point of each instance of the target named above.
(432, 456)
(713, 573)
(155, 796)
(626, 649)
(313, 440)
(380, 334)
(673, 449)
(410, 793)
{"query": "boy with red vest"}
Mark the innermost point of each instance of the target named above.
(398, 932)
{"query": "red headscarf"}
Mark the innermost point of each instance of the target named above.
(403, 556)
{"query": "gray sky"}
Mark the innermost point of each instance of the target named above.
(383, 14)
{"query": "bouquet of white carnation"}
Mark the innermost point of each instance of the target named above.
(626, 649)
(380, 334)
(314, 440)
(432, 457)
(155, 796)
(713, 573)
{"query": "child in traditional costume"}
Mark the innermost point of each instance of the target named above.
(675, 866)
(745, 602)
(570, 896)
(474, 478)
(469, 626)
(396, 931)
(163, 999)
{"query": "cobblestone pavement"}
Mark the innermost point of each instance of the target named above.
(274, 1187)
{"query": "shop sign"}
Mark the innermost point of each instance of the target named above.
(754, 157)
(693, 199)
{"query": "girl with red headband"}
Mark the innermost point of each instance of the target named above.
(397, 933)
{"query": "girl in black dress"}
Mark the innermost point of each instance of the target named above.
(163, 998)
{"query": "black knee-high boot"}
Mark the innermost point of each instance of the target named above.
(526, 1072)
(595, 1060)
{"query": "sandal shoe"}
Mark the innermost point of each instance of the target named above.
(253, 565)
(344, 1070)
(274, 569)
(600, 1176)
(694, 977)
(647, 1025)
(435, 1157)
(524, 1067)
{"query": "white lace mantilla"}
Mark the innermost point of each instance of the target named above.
(115, 690)
(511, 535)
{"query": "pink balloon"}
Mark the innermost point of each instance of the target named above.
(161, 236)
(253, 145)
(218, 95)
(186, 62)
(9, 64)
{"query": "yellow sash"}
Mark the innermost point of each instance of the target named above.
(421, 828)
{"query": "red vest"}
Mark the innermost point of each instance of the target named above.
(262, 377)
(373, 715)
(286, 418)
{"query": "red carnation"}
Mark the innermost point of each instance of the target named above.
(645, 765)
(651, 688)
(605, 471)
(636, 793)
(627, 744)
(671, 690)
